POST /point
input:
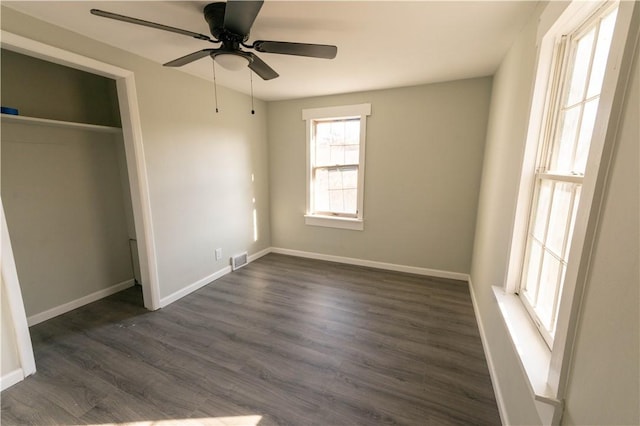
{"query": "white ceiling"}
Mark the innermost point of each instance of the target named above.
(381, 44)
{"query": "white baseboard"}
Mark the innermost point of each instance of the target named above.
(11, 378)
(165, 301)
(208, 279)
(310, 255)
(70, 306)
(502, 409)
(374, 264)
(259, 254)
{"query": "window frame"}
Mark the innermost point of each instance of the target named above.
(335, 219)
(564, 57)
(546, 369)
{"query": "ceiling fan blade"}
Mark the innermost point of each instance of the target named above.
(258, 66)
(190, 58)
(240, 14)
(137, 21)
(324, 51)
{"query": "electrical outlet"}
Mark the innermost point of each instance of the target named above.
(218, 253)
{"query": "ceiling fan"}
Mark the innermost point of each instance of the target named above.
(230, 24)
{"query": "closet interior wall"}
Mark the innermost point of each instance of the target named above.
(64, 185)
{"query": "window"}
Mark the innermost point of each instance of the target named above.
(335, 165)
(335, 160)
(581, 58)
(585, 51)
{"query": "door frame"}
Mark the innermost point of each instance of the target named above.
(136, 167)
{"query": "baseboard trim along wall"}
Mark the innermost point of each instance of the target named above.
(11, 378)
(70, 306)
(207, 280)
(193, 287)
(502, 409)
(259, 254)
(374, 264)
(165, 301)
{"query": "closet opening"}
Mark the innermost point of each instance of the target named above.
(65, 186)
(118, 139)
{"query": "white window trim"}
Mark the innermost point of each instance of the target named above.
(547, 369)
(334, 222)
(360, 111)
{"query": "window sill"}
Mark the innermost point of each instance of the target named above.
(334, 222)
(532, 351)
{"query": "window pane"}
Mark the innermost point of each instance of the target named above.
(335, 179)
(343, 178)
(323, 156)
(321, 143)
(338, 132)
(322, 201)
(336, 200)
(350, 200)
(602, 53)
(556, 305)
(542, 209)
(321, 190)
(549, 278)
(337, 155)
(337, 142)
(322, 179)
(350, 178)
(352, 132)
(576, 202)
(561, 159)
(580, 68)
(352, 154)
(336, 190)
(532, 275)
(323, 132)
(586, 132)
(559, 218)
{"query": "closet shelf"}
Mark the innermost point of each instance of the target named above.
(9, 118)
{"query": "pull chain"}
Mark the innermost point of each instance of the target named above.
(215, 87)
(253, 111)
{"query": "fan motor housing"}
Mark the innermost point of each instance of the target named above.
(214, 15)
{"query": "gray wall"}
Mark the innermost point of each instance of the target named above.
(506, 134)
(64, 205)
(199, 164)
(62, 188)
(604, 379)
(423, 162)
(42, 89)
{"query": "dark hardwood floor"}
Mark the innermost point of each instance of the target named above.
(283, 340)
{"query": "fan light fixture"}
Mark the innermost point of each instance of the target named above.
(230, 22)
(231, 61)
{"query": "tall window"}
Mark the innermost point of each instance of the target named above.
(335, 165)
(335, 159)
(562, 164)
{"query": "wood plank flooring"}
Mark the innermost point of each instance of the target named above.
(292, 340)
